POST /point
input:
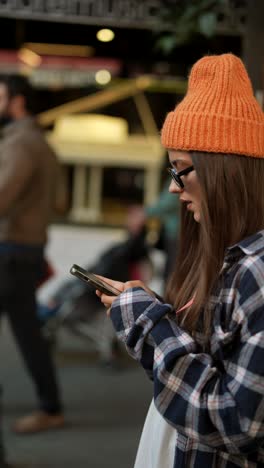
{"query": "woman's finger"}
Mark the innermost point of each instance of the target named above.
(138, 284)
(107, 300)
(115, 284)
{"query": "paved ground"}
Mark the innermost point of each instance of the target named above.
(105, 409)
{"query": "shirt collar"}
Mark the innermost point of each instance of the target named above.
(250, 245)
(11, 128)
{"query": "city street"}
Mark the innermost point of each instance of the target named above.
(105, 408)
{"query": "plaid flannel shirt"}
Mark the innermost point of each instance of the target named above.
(213, 399)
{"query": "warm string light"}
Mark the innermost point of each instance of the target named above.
(103, 77)
(105, 35)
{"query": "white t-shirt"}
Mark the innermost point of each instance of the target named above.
(157, 444)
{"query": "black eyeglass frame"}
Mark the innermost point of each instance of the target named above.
(176, 176)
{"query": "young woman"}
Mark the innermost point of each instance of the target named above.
(204, 347)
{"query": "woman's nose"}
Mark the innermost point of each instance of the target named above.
(174, 188)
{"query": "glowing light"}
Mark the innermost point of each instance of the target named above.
(105, 35)
(29, 57)
(59, 49)
(103, 77)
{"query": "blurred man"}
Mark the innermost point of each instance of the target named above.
(28, 170)
(166, 210)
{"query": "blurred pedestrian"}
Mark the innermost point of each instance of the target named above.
(3, 462)
(204, 347)
(166, 211)
(28, 171)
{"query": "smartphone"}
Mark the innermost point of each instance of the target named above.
(94, 281)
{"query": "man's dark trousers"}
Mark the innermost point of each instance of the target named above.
(20, 270)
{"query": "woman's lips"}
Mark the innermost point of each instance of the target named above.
(188, 203)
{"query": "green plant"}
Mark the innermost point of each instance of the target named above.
(181, 20)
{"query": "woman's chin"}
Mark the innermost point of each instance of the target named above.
(196, 217)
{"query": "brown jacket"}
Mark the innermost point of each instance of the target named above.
(28, 173)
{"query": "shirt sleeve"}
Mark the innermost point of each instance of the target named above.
(220, 404)
(16, 169)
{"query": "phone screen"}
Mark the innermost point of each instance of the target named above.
(94, 281)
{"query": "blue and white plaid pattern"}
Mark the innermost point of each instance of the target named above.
(214, 399)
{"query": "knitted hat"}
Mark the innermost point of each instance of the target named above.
(219, 113)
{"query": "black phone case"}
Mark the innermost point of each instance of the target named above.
(91, 279)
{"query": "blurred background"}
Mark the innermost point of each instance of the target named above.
(105, 73)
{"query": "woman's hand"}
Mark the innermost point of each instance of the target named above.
(108, 300)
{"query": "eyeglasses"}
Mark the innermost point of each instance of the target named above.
(176, 176)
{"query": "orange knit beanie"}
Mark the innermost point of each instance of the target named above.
(219, 113)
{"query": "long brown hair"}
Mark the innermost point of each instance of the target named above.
(232, 208)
